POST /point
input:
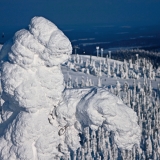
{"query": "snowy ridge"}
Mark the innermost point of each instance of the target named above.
(39, 118)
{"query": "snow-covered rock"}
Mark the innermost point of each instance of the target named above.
(41, 120)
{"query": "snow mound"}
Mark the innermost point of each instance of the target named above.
(41, 120)
(97, 107)
(32, 84)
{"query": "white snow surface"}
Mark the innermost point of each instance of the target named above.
(96, 107)
(38, 113)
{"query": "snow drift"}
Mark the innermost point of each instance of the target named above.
(41, 120)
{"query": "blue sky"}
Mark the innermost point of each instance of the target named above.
(17, 14)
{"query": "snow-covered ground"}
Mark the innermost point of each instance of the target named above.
(137, 84)
(79, 71)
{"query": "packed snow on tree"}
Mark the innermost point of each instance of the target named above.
(40, 119)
